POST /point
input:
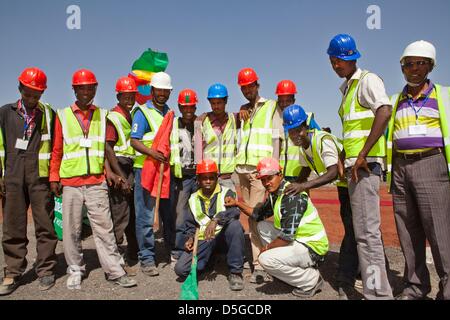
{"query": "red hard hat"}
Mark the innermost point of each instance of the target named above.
(187, 97)
(285, 87)
(33, 78)
(126, 84)
(247, 76)
(207, 166)
(267, 167)
(83, 76)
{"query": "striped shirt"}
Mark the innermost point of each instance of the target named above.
(421, 111)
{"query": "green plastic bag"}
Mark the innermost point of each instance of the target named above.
(189, 288)
(152, 61)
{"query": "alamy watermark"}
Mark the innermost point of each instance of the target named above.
(373, 22)
(73, 21)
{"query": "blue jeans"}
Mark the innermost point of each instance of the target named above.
(145, 210)
(183, 188)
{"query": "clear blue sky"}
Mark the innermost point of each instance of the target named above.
(210, 41)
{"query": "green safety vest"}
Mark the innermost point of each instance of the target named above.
(317, 165)
(201, 217)
(443, 100)
(310, 231)
(357, 122)
(175, 158)
(256, 136)
(290, 154)
(45, 148)
(77, 160)
(221, 149)
(154, 119)
(123, 146)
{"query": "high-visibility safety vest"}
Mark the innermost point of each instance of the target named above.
(79, 160)
(221, 148)
(123, 146)
(443, 101)
(201, 217)
(45, 148)
(357, 122)
(154, 119)
(310, 231)
(175, 157)
(256, 136)
(290, 154)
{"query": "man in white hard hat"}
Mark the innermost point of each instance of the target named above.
(146, 121)
(418, 156)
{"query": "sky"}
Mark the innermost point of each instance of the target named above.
(210, 41)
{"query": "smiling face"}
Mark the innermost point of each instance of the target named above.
(187, 112)
(344, 69)
(416, 69)
(126, 100)
(160, 96)
(85, 93)
(272, 182)
(250, 91)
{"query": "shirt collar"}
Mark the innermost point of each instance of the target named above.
(150, 105)
(216, 190)
(422, 95)
(347, 83)
(76, 108)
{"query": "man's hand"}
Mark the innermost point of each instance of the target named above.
(189, 245)
(230, 202)
(55, 187)
(210, 231)
(125, 186)
(244, 114)
(361, 163)
(341, 170)
(294, 188)
(2, 188)
(158, 156)
(113, 180)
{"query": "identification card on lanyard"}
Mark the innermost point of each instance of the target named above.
(418, 129)
(21, 144)
(85, 142)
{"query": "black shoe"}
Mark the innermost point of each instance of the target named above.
(404, 296)
(46, 282)
(8, 286)
(236, 281)
(310, 293)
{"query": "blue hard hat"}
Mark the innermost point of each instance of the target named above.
(217, 90)
(343, 46)
(293, 117)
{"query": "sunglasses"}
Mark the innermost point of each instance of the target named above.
(411, 64)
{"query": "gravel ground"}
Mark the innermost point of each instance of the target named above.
(213, 285)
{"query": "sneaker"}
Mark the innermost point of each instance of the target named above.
(125, 281)
(74, 281)
(149, 270)
(46, 282)
(260, 276)
(310, 293)
(8, 286)
(236, 281)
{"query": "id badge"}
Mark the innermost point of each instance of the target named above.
(21, 144)
(417, 130)
(85, 143)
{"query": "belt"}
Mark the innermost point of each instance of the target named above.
(420, 155)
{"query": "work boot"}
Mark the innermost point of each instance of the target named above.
(124, 281)
(131, 268)
(8, 286)
(149, 270)
(310, 293)
(236, 281)
(46, 282)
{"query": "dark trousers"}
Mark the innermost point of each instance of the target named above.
(183, 188)
(25, 188)
(348, 254)
(232, 236)
(122, 212)
(421, 193)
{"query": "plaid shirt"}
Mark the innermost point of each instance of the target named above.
(29, 119)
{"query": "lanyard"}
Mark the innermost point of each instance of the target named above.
(80, 121)
(28, 119)
(413, 106)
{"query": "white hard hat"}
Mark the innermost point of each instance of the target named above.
(420, 49)
(161, 80)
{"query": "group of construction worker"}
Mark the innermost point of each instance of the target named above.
(266, 152)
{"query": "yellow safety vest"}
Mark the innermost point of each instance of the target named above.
(123, 146)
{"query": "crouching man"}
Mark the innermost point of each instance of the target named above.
(296, 240)
(218, 225)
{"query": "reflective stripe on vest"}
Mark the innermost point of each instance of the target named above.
(256, 136)
(175, 158)
(443, 99)
(123, 146)
(221, 148)
(77, 160)
(45, 147)
(201, 217)
(154, 119)
(357, 122)
(310, 231)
